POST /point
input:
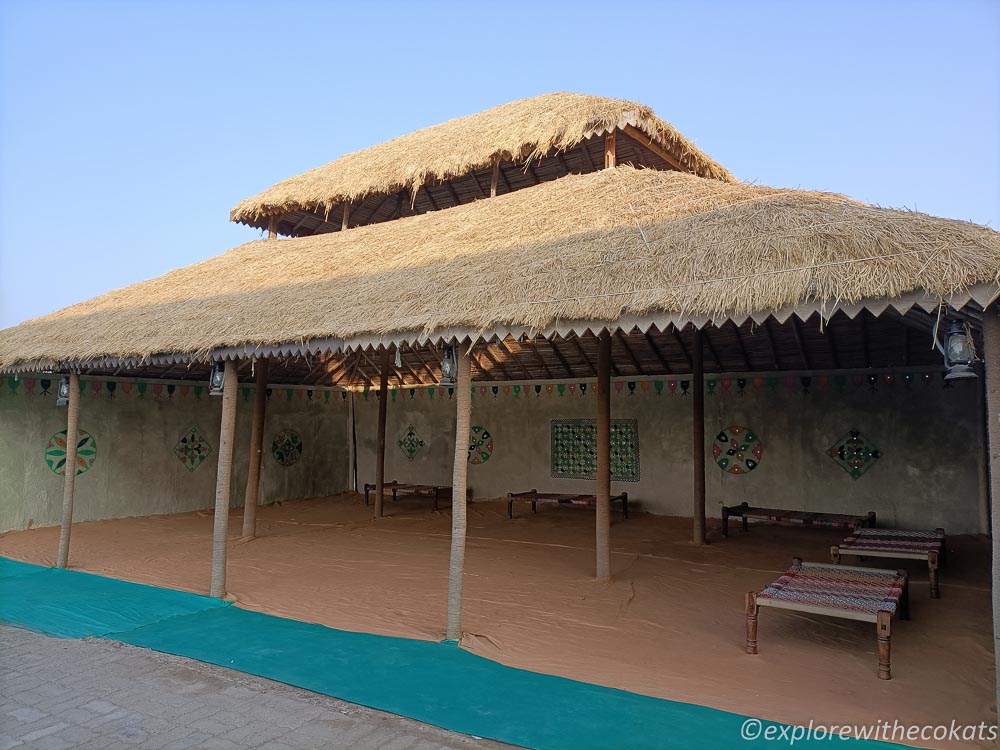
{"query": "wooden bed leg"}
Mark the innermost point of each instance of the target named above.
(872, 521)
(904, 599)
(366, 495)
(725, 522)
(944, 549)
(534, 507)
(435, 506)
(745, 522)
(932, 569)
(751, 612)
(835, 554)
(625, 504)
(884, 629)
(510, 506)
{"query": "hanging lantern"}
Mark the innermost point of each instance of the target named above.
(449, 367)
(62, 394)
(958, 350)
(217, 379)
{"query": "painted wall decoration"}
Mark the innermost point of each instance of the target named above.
(480, 445)
(286, 447)
(854, 453)
(192, 449)
(573, 450)
(737, 450)
(86, 452)
(410, 442)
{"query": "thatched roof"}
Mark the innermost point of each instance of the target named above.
(518, 134)
(614, 244)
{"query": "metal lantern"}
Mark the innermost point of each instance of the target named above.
(62, 394)
(959, 351)
(217, 380)
(449, 367)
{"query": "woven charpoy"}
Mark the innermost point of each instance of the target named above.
(895, 540)
(806, 518)
(868, 591)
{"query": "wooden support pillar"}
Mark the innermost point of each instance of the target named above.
(69, 485)
(603, 530)
(495, 179)
(456, 568)
(224, 480)
(250, 498)
(698, 432)
(345, 222)
(383, 388)
(272, 228)
(610, 144)
(991, 377)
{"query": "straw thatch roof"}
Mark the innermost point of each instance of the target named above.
(531, 138)
(614, 244)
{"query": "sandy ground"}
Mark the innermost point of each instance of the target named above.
(669, 623)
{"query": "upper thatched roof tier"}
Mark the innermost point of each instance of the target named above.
(532, 140)
(603, 247)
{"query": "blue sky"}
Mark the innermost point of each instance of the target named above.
(128, 130)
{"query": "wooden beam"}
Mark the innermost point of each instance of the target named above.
(623, 340)
(451, 191)
(516, 359)
(69, 479)
(711, 348)
(479, 187)
(864, 337)
(272, 228)
(496, 363)
(251, 495)
(603, 516)
(698, 435)
(610, 149)
(538, 356)
(430, 198)
(769, 334)
(680, 342)
(563, 362)
(459, 481)
(420, 357)
(494, 178)
(644, 140)
(586, 155)
(345, 220)
(383, 396)
(503, 176)
(661, 360)
(743, 349)
(224, 474)
(797, 333)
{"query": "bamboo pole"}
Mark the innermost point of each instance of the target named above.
(223, 481)
(272, 228)
(610, 149)
(991, 377)
(463, 409)
(603, 530)
(352, 446)
(383, 387)
(698, 433)
(69, 485)
(251, 496)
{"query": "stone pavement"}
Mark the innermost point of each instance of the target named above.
(60, 693)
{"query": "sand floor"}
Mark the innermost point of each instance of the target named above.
(669, 623)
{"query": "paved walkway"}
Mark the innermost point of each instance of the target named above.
(64, 693)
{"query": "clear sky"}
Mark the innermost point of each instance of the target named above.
(129, 129)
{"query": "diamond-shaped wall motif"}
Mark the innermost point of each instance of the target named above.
(410, 443)
(854, 453)
(192, 449)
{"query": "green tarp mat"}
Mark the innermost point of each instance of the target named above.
(69, 604)
(437, 683)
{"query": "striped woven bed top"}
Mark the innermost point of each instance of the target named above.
(866, 590)
(894, 540)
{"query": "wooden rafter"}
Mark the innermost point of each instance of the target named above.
(770, 343)
(517, 359)
(622, 339)
(644, 140)
(660, 359)
(711, 349)
(496, 362)
(533, 348)
(684, 350)
(563, 362)
(799, 342)
(743, 349)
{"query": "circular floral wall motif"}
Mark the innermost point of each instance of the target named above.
(86, 452)
(480, 445)
(737, 450)
(286, 447)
